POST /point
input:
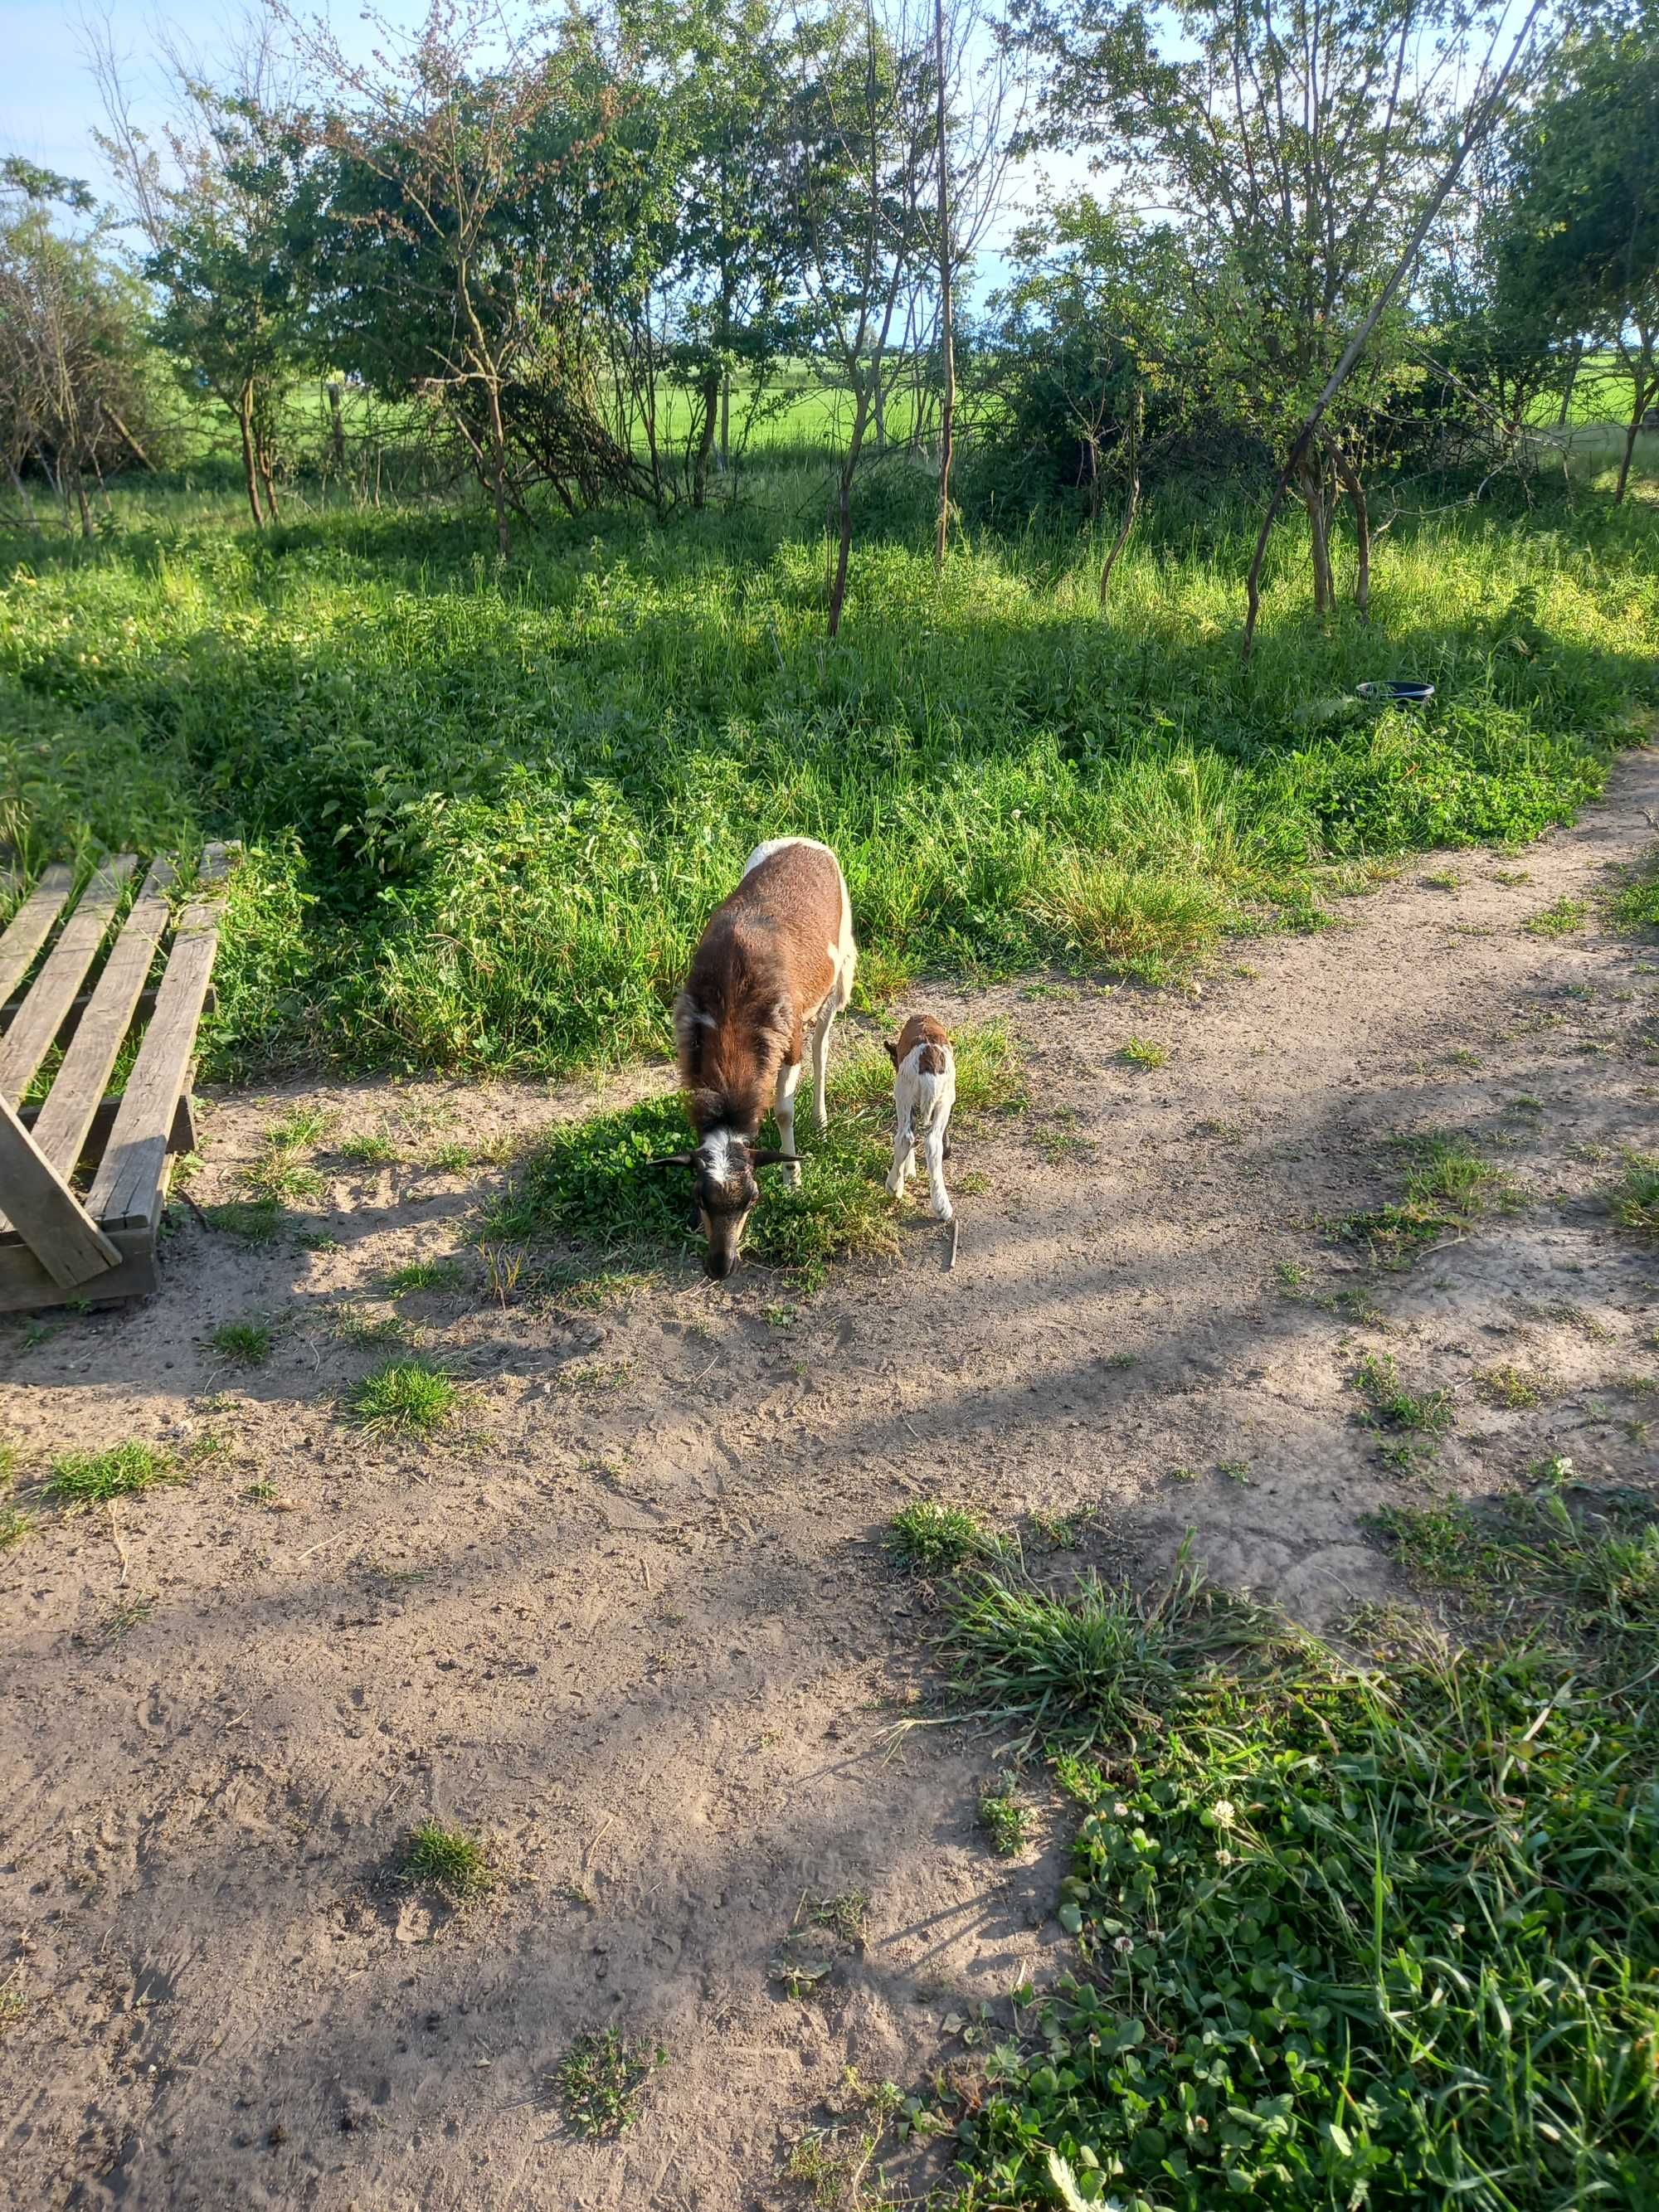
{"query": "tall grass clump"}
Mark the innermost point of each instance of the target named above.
(1345, 1935)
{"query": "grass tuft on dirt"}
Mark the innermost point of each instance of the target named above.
(244, 1343)
(599, 2080)
(1634, 1199)
(123, 1471)
(448, 1860)
(591, 1184)
(405, 1397)
(930, 1539)
(1345, 1935)
(1090, 1667)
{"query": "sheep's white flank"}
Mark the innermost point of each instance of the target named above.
(773, 968)
(924, 1091)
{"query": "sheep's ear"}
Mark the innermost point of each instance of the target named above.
(674, 1160)
(891, 1049)
(768, 1158)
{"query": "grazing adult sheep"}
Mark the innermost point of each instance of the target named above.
(773, 968)
(924, 1092)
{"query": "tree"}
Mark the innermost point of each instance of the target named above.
(76, 386)
(1299, 146)
(862, 141)
(1091, 354)
(227, 204)
(481, 208)
(1581, 254)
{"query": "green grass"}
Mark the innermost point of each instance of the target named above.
(1346, 1932)
(1511, 1386)
(1140, 1052)
(1634, 1199)
(448, 1860)
(930, 1539)
(1005, 1819)
(1447, 1185)
(488, 810)
(1562, 919)
(123, 1471)
(599, 2080)
(15, 1526)
(246, 1343)
(404, 1397)
(254, 1221)
(1635, 906)
(1094, 1668)
(424, 1276)
(1390, 1406)
(589, 1184)
(373, 1149)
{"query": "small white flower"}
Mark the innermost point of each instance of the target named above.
(1225, 1811)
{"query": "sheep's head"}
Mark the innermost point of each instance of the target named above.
(724, 1193)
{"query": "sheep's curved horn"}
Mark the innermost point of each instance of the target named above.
(769, 1158)
(674, 1160)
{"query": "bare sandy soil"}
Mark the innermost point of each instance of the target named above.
(632, 1624)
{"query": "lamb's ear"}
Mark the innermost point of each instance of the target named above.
(768, 1158)
(674, 1160)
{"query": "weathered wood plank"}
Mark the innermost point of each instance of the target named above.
(78, 1086)
(183, 1139)
(24, 1284)
(131, 1172)
(46, 1211)
(29, 1039)
(72, 1020)
(27, 931)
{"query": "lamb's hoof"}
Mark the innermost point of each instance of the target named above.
(791, 1173)
(947, 1216)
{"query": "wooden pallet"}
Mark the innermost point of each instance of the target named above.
(83, 1176)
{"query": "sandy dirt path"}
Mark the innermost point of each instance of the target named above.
(634, 1625)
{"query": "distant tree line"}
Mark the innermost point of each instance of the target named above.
(583, 258)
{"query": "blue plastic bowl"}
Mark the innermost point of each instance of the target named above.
(1398, 690)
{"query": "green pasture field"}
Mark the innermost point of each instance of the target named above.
(489, 808)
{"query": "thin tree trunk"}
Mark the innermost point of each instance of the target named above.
(245, 422)
(711, 383)
(127, 438)
(266, 477)
(1136, 417)
(1348, 469)
(84, 510)
(1643, 384)
(337, 426)
(947, 404)
(1313, 498)
(844, 507)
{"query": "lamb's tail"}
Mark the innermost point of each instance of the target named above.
(926, 1110)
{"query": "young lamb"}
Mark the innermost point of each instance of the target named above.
(925, 1090)
(773, 968)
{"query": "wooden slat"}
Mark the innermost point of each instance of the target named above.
(129, 1174)
(29, 1038)
(24, 1284)
(45, 1210)
(26, 932)
(183, 1139)
(71, 1021)
(78, 1086)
